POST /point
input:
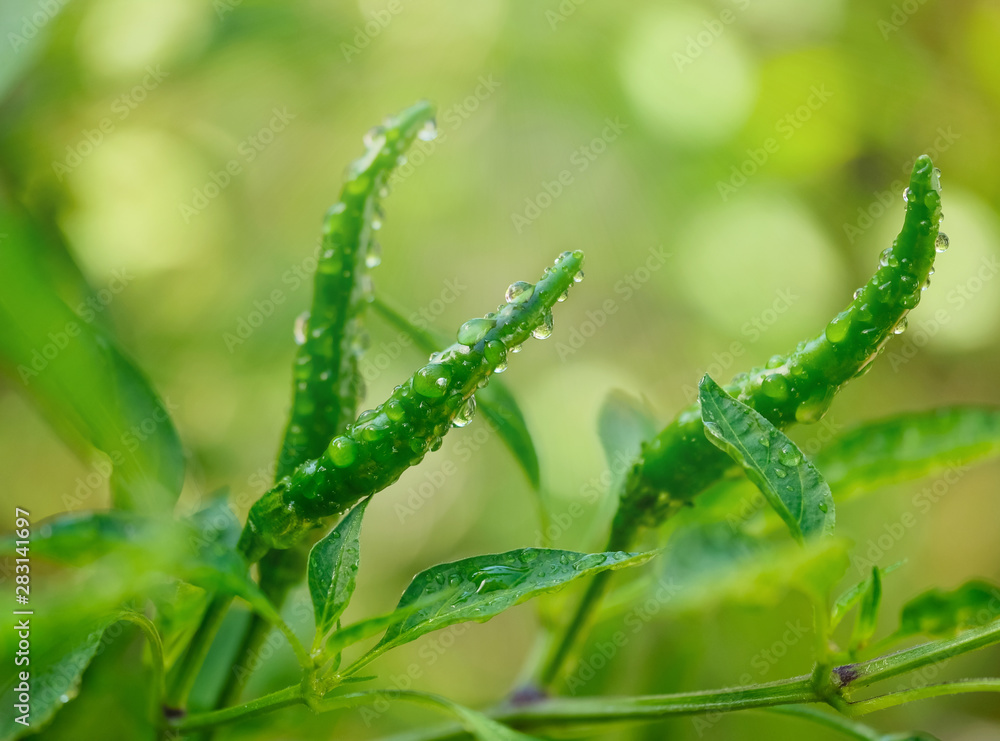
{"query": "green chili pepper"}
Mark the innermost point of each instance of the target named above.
(328, 385)
(680, 462)
(373, 452)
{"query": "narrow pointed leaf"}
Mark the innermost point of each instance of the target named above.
(871, 600)
(90, 391)
(908, 447)
(845, 602)
(495, 401)
(333, 569)
(482, 587)
(789, 482)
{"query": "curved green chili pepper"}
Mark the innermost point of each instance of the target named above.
(680, 462)
(373, 452)
(328, 385)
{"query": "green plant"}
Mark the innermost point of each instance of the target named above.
(186, 572)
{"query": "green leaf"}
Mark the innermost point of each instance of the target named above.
(93, 395)
(623, 424)
(852, 596)
(333, 569)
(941, 613)
(908, 447)
(57, 664)
(481, 587)
(789, 482)
(867, 618)
(495, 401)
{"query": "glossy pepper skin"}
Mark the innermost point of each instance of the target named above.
(328, 385)
(680, 462)
(383, 442)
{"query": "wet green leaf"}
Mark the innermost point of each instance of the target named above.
(482, 587)
(333, 569)
(789, 482)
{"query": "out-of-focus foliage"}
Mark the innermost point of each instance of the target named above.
(732, 169)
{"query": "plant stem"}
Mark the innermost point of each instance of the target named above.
(196, 651)
(282, 698)
(833, 720)
(874, 670)
(582, 619)
(863, 707)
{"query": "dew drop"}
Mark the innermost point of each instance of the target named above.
(836, 331)
(544, 330)
(578, 277)
(474, 330)
(374, 137)
(824, 507)
(775, 387)
(789, 456)
(432, 381)
(519, 292)
(780, 473)
(373, 258)
(857, 293)
(495, 352)
(900, 326)
(301, 323)
(907, 195)
(428, 132)
(465, 413)
(342, 451)
(941, 242)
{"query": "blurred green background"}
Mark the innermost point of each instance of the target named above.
(732, 170)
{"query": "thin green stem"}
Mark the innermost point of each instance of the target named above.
(196, 651)
(582, 619)
(837, 722)
(253, 638)
(885, 667)
(281, 699)
(891, 700)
